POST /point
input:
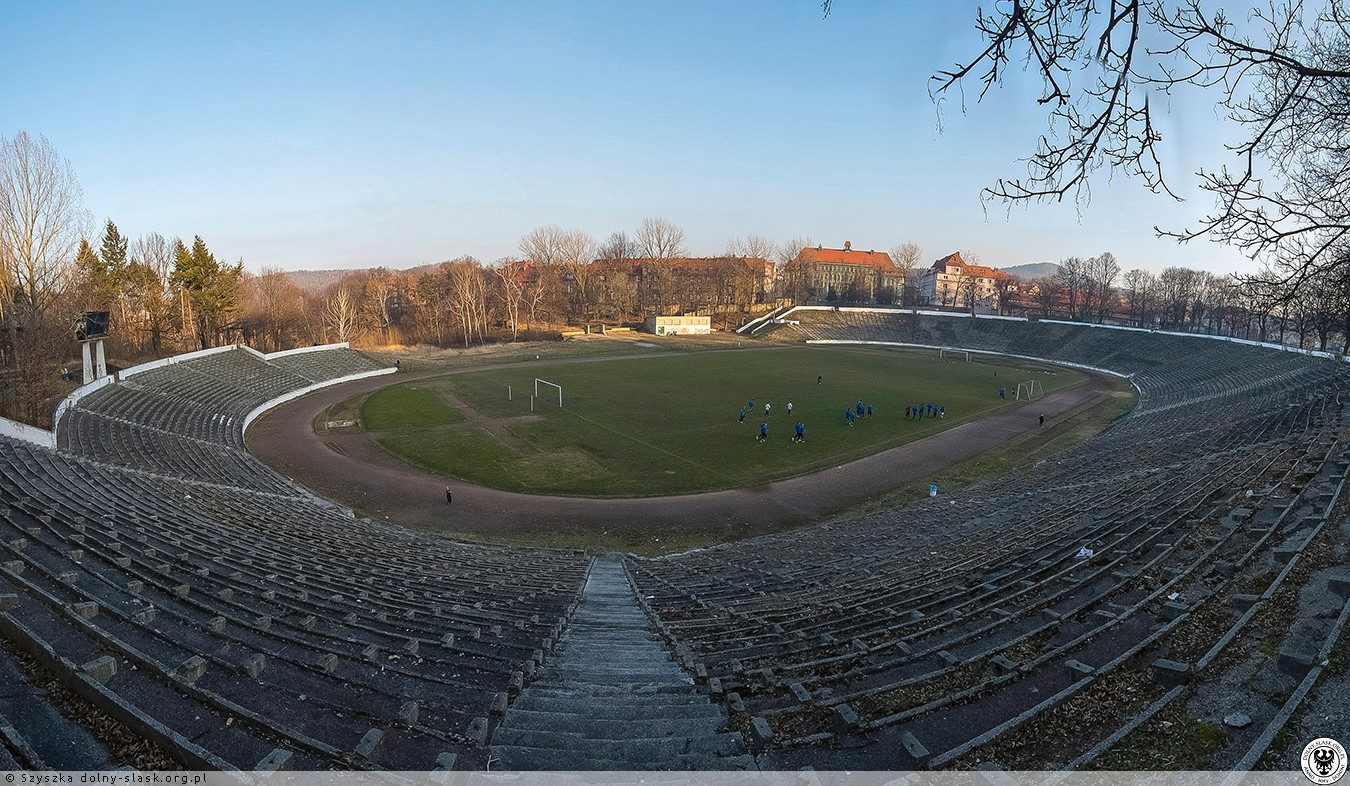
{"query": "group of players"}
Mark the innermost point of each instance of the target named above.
(851, 415)
(798, 429)
(928, 410)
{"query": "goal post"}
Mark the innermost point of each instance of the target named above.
(546, 383)
(962, 354)
(1026, 391)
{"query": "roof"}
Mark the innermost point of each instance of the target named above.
(977, 271)
(847, 256)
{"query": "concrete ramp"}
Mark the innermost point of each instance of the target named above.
(613, 699)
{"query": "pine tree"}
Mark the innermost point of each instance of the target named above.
(114, 252)
(110, 282)
(211, 289)
(89, 269)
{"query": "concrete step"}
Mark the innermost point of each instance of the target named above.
(565, 673)
(612, 697)
(627, 748)
(512, 757)
(611, 708)
(566, 690)
(601, 728)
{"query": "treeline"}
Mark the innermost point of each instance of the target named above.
(1313, 313)
(168, 295)
(561, 277)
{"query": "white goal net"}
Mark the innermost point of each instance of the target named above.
(954, 354)
(1031, 389)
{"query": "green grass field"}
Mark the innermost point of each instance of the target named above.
(665, 424)
(406, 407)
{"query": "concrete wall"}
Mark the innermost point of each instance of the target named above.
(301, 350)
(26, 433)
(294, 394)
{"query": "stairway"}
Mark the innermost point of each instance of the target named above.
(612, 698)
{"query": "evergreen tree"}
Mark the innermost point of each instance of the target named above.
(210, 288)
(89, 273)
(113, 253)
(110, 279)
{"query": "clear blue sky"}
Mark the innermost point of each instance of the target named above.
(318, 135)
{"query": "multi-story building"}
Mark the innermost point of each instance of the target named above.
(845, 275)
(951, 281)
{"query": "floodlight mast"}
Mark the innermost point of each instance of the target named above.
(91, 327)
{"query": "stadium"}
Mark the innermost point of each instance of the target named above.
(834, 392)
(1161, 586)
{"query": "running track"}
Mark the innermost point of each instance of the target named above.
(366, 477)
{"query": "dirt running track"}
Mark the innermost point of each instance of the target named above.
(367, 478)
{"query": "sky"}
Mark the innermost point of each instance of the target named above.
(328, 135)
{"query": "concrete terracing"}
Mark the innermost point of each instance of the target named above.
(613, 699)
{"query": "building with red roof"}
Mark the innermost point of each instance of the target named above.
(951, 281)
(846, 274)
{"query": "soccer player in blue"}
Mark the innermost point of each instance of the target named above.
(801, 432)
(741, 417)
(763, 432)
(860, 407)
(869, 410)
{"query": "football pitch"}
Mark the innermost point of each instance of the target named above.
(668, 423)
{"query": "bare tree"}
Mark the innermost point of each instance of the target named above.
(152, 258)
(618, 247)
(1072, 277)
(273, 308)
(1049, 293)
(751, 246)
(1280, 70)
(510, 278)
(576, 252)
(467, 297)
(659, 240)
(340, 314)
(907, 256)
(543, 246)
(1138, 286)
(1103, 270)
(42, 221)
(798, 275)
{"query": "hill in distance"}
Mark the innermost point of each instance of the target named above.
(1031, 271)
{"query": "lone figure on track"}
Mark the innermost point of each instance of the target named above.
(448, 499)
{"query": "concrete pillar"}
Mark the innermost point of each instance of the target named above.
(88, 362)
(100, 362)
